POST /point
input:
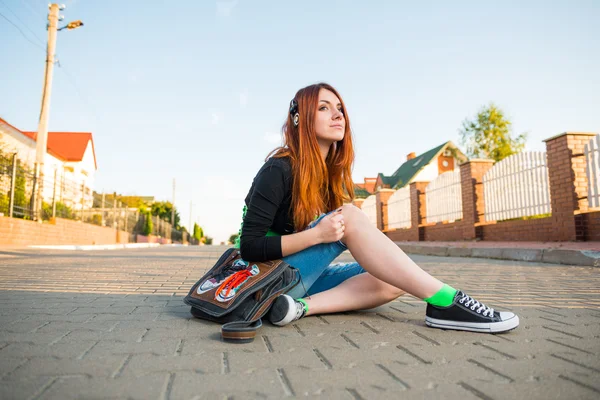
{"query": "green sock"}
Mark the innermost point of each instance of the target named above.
(305, 305)
(443, 297)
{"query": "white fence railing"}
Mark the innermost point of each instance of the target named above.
(443, 197)
(517, 187)
(399, 209)
(592, 158)
(369, 206)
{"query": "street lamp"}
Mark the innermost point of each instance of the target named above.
(72, 25)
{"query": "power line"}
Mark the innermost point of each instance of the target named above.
(33, 11)
(73, 82)
(22, 33)
(21, 21)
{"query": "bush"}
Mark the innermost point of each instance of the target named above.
(63, 211)
(3, 204)
(97, 219)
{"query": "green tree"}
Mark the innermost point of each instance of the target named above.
(148, 226)
(233, 237)
(208, 240)
(163, 209)
(20, 198)
(198, 232)
(489, 135)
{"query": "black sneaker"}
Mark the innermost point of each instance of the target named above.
(467, 314)
(285, 310)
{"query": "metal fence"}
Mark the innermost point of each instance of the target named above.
(443, 198)
(517, 186)
(592, 160)
(65, 198)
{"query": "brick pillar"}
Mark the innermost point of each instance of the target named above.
(382, 197)
(358, 202)
(568, 183)
(417, 208)
(471, 185)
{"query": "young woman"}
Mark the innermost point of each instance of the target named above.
(295, 210)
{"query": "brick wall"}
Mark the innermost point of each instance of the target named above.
(540, 230)
(443, 231)
(471, 182)
(589, 224)
(18, 232)
(401, 235)
(382, 197)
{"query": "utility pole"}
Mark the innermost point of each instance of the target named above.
(173, 207)
(42, 132)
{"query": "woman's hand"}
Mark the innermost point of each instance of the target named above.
(331, 228)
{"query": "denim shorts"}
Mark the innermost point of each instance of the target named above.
(317, 273)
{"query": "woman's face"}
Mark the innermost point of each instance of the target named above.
(330, 123)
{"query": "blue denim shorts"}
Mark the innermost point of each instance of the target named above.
(317, 273)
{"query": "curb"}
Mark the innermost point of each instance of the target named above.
(98, 246)
(586, 258)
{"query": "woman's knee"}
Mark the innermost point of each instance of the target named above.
(352, 216)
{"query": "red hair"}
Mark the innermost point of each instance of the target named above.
(318, 185)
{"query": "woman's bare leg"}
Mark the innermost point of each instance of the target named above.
(382, 258)
(360, 292)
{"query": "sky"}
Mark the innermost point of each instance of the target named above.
(197, 90)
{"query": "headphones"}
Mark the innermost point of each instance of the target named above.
(294, 112)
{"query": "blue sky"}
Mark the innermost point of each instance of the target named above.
(198, 90)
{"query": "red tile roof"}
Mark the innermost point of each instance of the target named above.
(67, 146)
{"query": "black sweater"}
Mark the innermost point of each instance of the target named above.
(268, 209)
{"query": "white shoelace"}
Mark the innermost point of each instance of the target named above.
(476, 306)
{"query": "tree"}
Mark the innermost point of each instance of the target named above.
(209, 240)
(148, 226)
(233, 237)
(198, 232)
(489, 135)
(163, 209)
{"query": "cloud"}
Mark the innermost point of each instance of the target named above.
(225, 8)
(274, 138)
(244, 98)
(216, 116)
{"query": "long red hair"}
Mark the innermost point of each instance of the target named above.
(318, 185)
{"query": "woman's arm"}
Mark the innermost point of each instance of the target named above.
(329, 229)
(296, 242)
(269, 191)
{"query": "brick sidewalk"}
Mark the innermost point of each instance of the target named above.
(111, 324)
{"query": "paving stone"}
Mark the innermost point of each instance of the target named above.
(50, 366)
(58, 350)
(150, 386)
(118, 335)
(29, 389)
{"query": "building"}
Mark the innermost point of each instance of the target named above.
(69, 163)
(424, 167)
